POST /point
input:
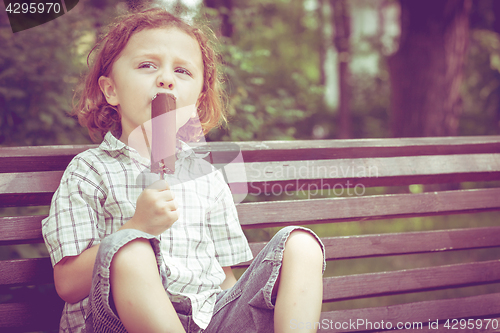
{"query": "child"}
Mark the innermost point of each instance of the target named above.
(159, 259)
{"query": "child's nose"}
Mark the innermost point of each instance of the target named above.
(165, 80)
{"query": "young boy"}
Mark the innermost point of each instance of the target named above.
(158, 259)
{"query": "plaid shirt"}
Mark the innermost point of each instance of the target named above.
(98, 194)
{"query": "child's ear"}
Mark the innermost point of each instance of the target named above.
(108, 89)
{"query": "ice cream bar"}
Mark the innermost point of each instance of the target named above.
(163, 134)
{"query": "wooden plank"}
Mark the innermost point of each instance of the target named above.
(482, 306)
(28, 188)
(26, 271)
(30, 182)
(364, 246)
(24, 200)
(351, 186)
(308, 211)
(37, 315)
(335, 175)
(328, 210)
(347, 247)
(46, 158)
(21, 312)
(254, 151)
(27, 229)
(339, 176)
(411, 280)
(452, 168)
(38, 158)
(21, 229)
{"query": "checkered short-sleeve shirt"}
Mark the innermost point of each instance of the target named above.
(98, 194)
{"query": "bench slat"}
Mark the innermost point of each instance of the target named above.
(351, 247)
(21, 229)
(364, 246)
(27, 229)
(335, 174)
(481, 306)
(411, 280)
(28, 189)
(358, 148)
(34, 316)
(26, 272)
(34, 188)
(46, 158)
(280, 213)
(38, 158)
(363, 285)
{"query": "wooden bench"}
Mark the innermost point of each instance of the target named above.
(383, 169)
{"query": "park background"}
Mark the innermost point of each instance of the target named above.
(293, 70)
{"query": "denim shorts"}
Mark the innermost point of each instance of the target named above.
(246, 307)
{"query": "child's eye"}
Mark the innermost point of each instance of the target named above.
(182, 71)
(147, 65)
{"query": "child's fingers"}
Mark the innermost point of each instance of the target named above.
(166, 195)
(172, 205)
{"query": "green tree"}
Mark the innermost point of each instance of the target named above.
(39, 70)
(481, 89)
(272, 70)
(36, 71)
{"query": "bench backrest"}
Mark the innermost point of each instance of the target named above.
(345, 169)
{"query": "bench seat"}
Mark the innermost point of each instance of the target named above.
(457, 176)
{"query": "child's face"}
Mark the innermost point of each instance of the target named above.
(154, 61)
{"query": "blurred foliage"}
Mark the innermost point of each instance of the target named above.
(481, 90)
(272, 71)
(39, 70)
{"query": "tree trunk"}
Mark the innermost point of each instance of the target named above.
(328, 57)
(224, 7)
(426, 71)
(342, 24)
(496, 28)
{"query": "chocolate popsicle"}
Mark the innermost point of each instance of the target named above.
(163, 134)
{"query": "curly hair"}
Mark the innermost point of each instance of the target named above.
(99, 117)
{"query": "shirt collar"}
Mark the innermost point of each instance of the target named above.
(111, 143)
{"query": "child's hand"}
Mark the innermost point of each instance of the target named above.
(156, 209)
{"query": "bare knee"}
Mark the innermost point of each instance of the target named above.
(302, 254)
(302, 245)
(132, 253)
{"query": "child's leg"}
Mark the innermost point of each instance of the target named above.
(138, 293)
(290, 266)
(300, 285)
(128, 291)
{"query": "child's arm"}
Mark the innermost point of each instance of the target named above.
(230, 278)
(73, 275)
(156, 211)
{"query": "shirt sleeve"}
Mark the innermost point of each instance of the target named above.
(231, 245)
(76, 211)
